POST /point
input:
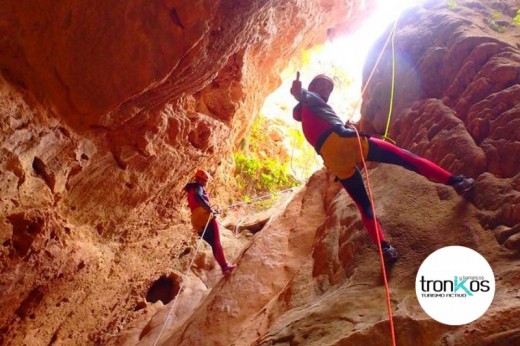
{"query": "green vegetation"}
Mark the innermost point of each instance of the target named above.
(493, 24)
(257, 172)
(303, 157)
(516, 20)
(258, 175)
(452, 4)
(495, 27)
(496, 15)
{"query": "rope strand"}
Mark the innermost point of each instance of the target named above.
(392, 87)
(381, 258)
(182, 283)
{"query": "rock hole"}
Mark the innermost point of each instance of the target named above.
(163, 289)
(84, 157)
(30, 302)
(175, 18)
(25, 231)
(73, 172)
(99, 228)
(185, 252)
(54, 338)
(41, 170)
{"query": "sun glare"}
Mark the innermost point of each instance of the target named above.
(342, 58)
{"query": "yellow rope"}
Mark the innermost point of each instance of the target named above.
(392, 87)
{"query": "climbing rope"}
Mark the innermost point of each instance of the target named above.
(182, 283)
(391, 37)
(236, 228)
(257, 199)
(381, 258)
(392, 87)
(254, 200)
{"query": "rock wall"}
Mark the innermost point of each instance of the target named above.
(456, 99)
(324, 283)
(456, 103)
(106, 111)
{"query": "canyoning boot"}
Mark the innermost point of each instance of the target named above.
(463, 184)
(390, 254)
(228, 269)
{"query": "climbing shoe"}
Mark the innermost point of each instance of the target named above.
(463, 184)
(228, 269)
(390, 254)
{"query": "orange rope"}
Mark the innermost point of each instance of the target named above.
(375, 65)
(381, 258)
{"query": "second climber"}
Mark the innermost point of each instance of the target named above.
(203, 218)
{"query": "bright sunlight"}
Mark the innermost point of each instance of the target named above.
(342, 59)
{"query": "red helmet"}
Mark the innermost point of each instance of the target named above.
(322, 76)
(201, 174)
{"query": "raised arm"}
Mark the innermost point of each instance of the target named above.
(296, 88)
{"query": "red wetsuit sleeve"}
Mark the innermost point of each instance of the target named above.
(297, 112)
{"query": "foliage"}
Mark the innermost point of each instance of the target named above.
(257, 174)
(516, 20)
(303, 157)
(494, 26)
(452, 4)
(496, 15)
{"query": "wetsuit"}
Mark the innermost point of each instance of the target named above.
(338, 146)
(198, 202)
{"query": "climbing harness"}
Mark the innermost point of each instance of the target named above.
(182, 283)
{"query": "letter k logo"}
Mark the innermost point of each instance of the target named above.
(461, 285)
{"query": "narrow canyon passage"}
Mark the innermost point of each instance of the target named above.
(107, 111)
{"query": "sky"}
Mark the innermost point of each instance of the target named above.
(345, 56)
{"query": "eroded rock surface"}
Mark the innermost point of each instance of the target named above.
(457, 99)
(107, 109)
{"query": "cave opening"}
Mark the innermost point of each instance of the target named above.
(342, 57)
(164, 289)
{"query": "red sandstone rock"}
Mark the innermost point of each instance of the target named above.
(108, 109)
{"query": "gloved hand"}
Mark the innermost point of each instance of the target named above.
(296, 88)
(215, 211)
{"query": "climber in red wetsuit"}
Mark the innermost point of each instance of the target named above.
(201, 211)
(338, 146)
